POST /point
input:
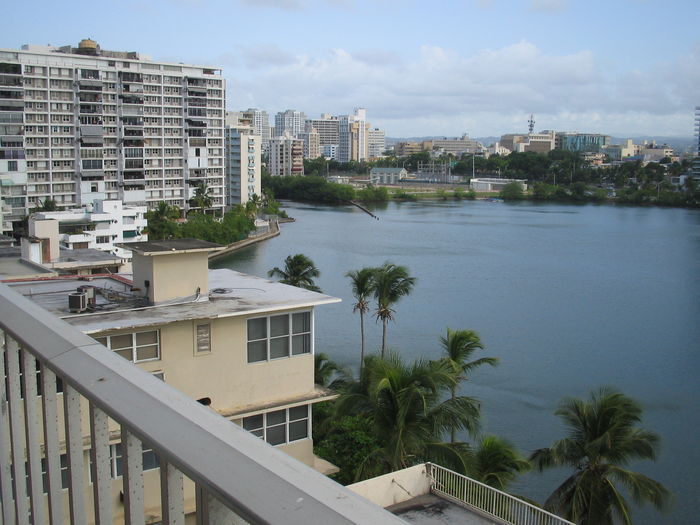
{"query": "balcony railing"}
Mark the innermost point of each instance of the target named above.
(235, 474)
(488, 500)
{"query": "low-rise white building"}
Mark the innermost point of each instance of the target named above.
(489, 184)
(101, 227)
(388, 175)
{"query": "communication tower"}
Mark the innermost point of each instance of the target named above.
(531, 124)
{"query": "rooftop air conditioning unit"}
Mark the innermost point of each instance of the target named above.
(77, 302)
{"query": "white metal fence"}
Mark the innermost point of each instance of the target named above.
(487, 500)
(57, 443)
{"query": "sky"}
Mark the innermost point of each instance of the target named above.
(443, 67)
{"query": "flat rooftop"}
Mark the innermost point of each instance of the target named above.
(429, 509)
(117, 307)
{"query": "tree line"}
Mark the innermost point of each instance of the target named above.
(394, 414)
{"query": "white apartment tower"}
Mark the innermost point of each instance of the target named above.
(85, 124)
(286, 156)
(327, 128)
(260, 120)
(376, 143)
(242, 159)
(290, 121)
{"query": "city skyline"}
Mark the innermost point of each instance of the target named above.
(626, 68)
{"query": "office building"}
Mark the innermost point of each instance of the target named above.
(81, 124)
(573, 141)
(327, 128)
(286, 156)
(242, 150)
(353, 131)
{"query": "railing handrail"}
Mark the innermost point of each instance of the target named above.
(256, 481)
(488, 488)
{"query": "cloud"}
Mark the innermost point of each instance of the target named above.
(442, 91)
(262, 56)
(548, 6)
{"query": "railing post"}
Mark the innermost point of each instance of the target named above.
(52, 451)
(171, 495)
(132, 476)
(100, 467)
(5, 452)
(16, 430)
(74, 448)
(32, 433)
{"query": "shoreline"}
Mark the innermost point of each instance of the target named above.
(273, 232)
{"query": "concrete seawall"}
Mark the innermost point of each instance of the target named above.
(273, 232)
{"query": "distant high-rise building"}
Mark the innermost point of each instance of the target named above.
(542, 142)
(376, 143)
(312, 145)
(261, 125)
(327, 128)
(286, 156)
(352, 136)
(572, 141)
(696, 160)
(242, 159)
(81, 124)
(290, 121)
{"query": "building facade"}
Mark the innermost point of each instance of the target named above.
(101, 226)
(286, 156)
(327, 127)
(243, 162)
(594, 142)
(81, 124)
(312, 143)
(247, 354)
(353, 133)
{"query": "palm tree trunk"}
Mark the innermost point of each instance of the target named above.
(362, 342)
(453, 430)
(384, 321)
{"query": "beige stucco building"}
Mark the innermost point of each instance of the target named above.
(242, 345)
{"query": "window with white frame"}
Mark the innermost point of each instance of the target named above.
(280, 426)
(279, 336)
(116, 462)
(136, 347)
(202, 334)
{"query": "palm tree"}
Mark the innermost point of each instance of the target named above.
(407, 405)
(458, 347)
(496, 462)
(160, 221)
(391, 282)
(299, 271)
(328, 373)
(202, 198)
(603, 437)
(362, 288)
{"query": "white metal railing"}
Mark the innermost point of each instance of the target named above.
(233, 476)
(488, 500)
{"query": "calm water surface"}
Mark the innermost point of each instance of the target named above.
(570, 298)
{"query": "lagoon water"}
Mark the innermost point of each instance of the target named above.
(570, 298)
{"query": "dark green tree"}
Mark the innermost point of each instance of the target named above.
(457, 350)
(602, 439)
(362, 282)
(512, 191)
(298, 271)
(391, 283)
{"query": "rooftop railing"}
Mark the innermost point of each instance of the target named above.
(235, 474)
(488, 500)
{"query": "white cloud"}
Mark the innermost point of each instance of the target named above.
(488, 92)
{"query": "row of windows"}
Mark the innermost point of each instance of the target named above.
(279, 336)
(280, 426)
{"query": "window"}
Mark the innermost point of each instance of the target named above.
(22, 375)
(279, 336)
(116, 464)
(136, 347)
(202, 338)
(11, 165)
(280, 426)
(45, 475)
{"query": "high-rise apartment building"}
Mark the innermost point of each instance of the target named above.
(376, 143)
(260, 121)
(312, 144)
(352, 136)
(242, 159)
(83, 124)
(286, 156)
(290, 121)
